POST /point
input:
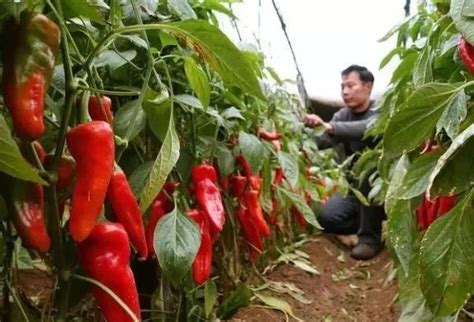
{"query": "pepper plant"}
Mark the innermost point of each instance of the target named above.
(148, 128)
(423, 163)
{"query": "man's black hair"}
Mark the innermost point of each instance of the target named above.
(364, 74)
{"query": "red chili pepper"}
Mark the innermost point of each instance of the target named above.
(255, 182)
(466, 52)
(204, 171)
(244, 164)
(162, 205)
(268, 135)
(127, 211)
(298, 216)
(66, 170)
(432, 210)
(446, 204)
(279, 176)
(421, 214)
(202, 265)
(208, 195)
(252, 236)
(237, 186)
(28, 214)
(209, 200)
(225, 183)
(92, 146)
(104, 256)
(30, 49)
(255, 212)
(95, 110)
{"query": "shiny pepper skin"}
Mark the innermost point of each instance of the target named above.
(95, 109)
(202, 265)
(208, 196)
(466, 52)
(28, 61)
(28, 214)
(255, 212)
(104, 255)
(126, 210)
(92, 146)
(251, 233)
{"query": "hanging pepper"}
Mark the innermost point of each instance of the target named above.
(237, 186)
(251, 233)
(208, 195)
(202, 265)
(92, 146)
(28, 61)
(446, 204)
(466, 52)
(95, 109)
(66, 170)
(28, 214)
(421, 214)
(432, 210)
(127, 211)
(268, 135)
(255, 212)
(104, 256)
(245, 165)
(298, 216)
(162, 205)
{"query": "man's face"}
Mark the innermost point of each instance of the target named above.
(355, 92)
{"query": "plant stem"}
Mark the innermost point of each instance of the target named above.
(6, 270)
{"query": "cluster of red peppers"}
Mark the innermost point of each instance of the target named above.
(429, 210)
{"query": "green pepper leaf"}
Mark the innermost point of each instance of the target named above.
(240, 297)
(198, 80)
(289, 165)
(11, 160)
(300, 203)
(252, 149)
(176, 241)
(164, 164)
(219, 52)
(446, 259)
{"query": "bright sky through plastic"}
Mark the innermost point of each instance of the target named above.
(327, 36)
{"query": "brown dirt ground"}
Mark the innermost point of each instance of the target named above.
(345, 290)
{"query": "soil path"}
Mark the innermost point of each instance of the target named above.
(345, 289)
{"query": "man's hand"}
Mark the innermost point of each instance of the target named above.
(312, 120)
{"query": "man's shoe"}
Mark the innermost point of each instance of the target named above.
(365, 251)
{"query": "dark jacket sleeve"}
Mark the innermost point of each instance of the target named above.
(352, 130)
(325, 140)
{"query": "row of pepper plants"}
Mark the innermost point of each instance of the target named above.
(424, 164)
(140, 123)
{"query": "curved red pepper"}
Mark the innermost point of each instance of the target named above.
(268, 135)
(28, 61)
(28, 214)
(92, 146)
(162, 205)
(251, 233)
(95, 110)
(202, 265)
(104, 256)
(209, 200)
(237, 185)
(255, 212)
(245, 165)
(298, 216)
(127, 211)
(466, 52)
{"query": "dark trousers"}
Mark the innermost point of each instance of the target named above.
(346, 215)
